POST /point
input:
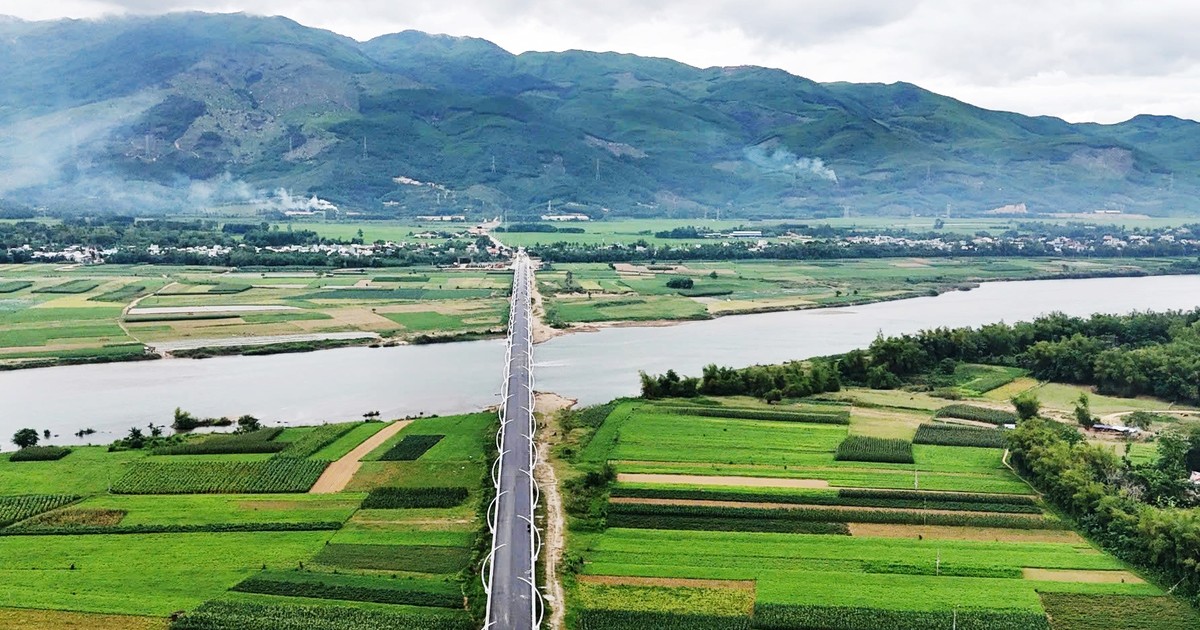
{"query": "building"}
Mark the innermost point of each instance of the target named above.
(1109, 428)
(566, 217)
(746, 234)
(444, 218)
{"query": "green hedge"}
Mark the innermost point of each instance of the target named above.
(231, 615)
(411, 448)
(220, 477)
(791, 617)
(861, 448)
(595, 619)
(933, 495)
(958, 435)
(12, 286)
(978, 414)
(21, 507)
(839, 416)
(930, 501)
(40, 454)
(413, 558)
(724, 524)
(176, 528)
(253, 442)
(355, 588)
(70, 287)
(666, 514)
(400, 498)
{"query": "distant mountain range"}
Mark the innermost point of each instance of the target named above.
(195, 110)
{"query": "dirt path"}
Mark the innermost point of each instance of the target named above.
(132, 305)
(547, 407)
(542, 332)
(339, 473)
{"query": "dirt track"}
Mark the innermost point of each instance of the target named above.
(339, 473)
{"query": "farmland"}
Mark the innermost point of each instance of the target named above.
(235, 540)
(704, 514)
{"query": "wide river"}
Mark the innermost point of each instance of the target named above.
(343, 384)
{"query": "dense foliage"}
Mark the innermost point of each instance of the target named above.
(411, 447)
(16, 508)
(252, 442)
(40, 454)
(220, 477)
(355, 588)
(403, 498)
(655, 516)
(863, 448)
(977, 413)
(794, 617)
(835, 415)
(315, 440)
(846, 497)
(796, 379)
(244, 615)
(958, 435)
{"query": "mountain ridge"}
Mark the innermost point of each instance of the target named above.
(194, 109)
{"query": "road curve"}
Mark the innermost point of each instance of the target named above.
(513, 599)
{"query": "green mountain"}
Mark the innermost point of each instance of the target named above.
(195, 110)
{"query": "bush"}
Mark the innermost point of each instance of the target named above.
(978, 414)
(680, 283)
(253, 442)
(792, 617)
(356, 588)
(40, 454)
(958, 435)
(220, 477)
(18, 508)
(834, 416)
(861, 448)
(411, 448)
(402, 498)
(313, 441)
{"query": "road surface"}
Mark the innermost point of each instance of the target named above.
(513, 600)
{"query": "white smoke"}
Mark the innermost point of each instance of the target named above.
(780, 160)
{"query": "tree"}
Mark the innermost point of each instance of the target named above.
(1027, 405)
(680, 283)
(25, 438)
(1083, 412)
(136, 439)
(248, 423)
(773, 396)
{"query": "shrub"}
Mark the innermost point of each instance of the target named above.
(591, 619)
(978, 414)
(313, 441)
(356, 588)
(680, 283)
(411, 447)
(834, 416)
(792, 617)
(958, 435)
(18, 508)
(40, 454)
(217, 477)
(399, 498)
(252, 442)
(226, 614)
(861, 448)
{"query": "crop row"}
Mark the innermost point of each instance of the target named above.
(591, 619)
(862, 448)
(834, 416)
(381, 592)
(123, 294)
(173, 528)
(217, 477)
(933, 495)
(935, 501)
(413, 558)
(223, 615)
(791, 617)
(70, 287)
(40, 454)
(411, 448)
(620, 512)
(12, 286)
(958, 435)
(400, 498)
(253, 442)
(18, 508)
(313, 441)
(978, 414)
(715, 523)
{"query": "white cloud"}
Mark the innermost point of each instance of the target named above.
(1104, 60)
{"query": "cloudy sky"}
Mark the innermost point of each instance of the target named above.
(1083, 60)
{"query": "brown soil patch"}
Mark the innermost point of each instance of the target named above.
(78, 517)
(715, 480)
(796, 506)
(983, 534)
(619, 580)
(60, 620)
(549, 402)
(1088, 577)
(339, 473)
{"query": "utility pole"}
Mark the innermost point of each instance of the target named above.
(364, 147)
(493, 164)
(597, 169)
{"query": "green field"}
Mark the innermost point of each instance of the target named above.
(709, 510)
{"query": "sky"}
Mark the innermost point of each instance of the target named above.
(1082, 60)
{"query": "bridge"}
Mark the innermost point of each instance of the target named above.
(509, 572)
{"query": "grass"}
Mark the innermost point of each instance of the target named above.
(242, 508)
(220, 476)
(1094, 612)
(406, 558)
(63, 620)
(88, 470)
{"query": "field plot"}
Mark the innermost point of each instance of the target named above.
(827, 526)
(221, 528)
(592, 292)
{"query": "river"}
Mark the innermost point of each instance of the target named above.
(338, 385)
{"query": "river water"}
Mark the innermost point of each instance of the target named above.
(338, 385)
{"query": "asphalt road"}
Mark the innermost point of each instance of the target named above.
(513, 602)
